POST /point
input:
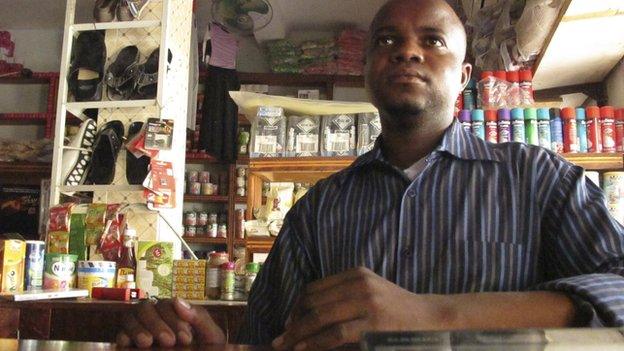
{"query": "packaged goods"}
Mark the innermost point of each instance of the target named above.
(338, 138)
(252, 269)
(189, 279)
(303, 136)
(478, 123)
(126, 265)
(60, 271)
(368, 129)
(530, 126)
(154, 268)
(95, 222)
(77, 239)
(228, 280)
(613, 186)
(12, 254)
(58, 228)
(268, 134)
(570, 140)
(96, 274)
(543, 128)
(34, 264)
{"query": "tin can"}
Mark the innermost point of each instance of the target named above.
(204, 177)
(192, 176)
(207, 189)
(96, 274)
(222, 230)
(607, 120)
(200, 230)
(190, 218)
(59, 271)
(194, 188)
(241, 171)
(212, 218)
(202, 218)
(190, 230)
(35, 253)
(212, 230)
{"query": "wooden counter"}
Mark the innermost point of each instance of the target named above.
(91, 320)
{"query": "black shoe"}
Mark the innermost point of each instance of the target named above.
(147, 79)
(136, 168)
(122, 73)
(105, 150)
(87, 66)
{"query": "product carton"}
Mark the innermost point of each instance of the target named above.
(268, 132)
(189, 279)
(77, 238)
(155, 268)
(369, 128)
(338, 137)
(302, 139)
(12, 253)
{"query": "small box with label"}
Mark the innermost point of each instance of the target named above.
(338, 137)
(268, 132)
(155, 268)
(189, 279)
(12, 253)
(302, 139)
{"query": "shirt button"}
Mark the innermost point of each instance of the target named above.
(411, 193)
(407, 253)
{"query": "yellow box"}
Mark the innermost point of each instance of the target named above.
(12, 253)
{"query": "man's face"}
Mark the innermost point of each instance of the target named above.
(415, 58)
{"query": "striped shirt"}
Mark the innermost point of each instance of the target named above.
(480, 217)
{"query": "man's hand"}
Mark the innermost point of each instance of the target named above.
(169, 323)
(336, 310)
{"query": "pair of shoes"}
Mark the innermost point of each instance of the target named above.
(77, 155)
(87, 66)
(105, 150)
(107, 10)
(126, 77)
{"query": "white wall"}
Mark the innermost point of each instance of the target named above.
(615, 86)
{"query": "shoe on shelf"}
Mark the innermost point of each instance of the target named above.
(104, 10)
(105, 150)
(121, 74)
(147, 77)
(136, 167)
(123, 11)
(77, 155)
(87, 66)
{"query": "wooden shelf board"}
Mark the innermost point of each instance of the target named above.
(205, 240)
(259, 239)
(200, 158)
(25, 167)
(240, 199)
(297, 169)
(597, 162)
(206, 198)
(27, 117)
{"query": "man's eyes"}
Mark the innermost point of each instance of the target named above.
(385, 40)
(435, 42)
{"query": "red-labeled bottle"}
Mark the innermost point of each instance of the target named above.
(619, 130)
(486, 90)
(570, 141)
(526, 87)
(491, 126)
(513, 93)
(607, 121)
(594, 131)
(126, 265)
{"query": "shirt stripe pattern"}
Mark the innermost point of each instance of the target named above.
(480, 217)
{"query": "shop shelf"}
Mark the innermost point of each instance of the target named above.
(297, 169)
(204, 240)
(27, 117)
(596, 162)
(114, 25)
(77, 107)
(103, 188)
(205, 198)
(25, 167)
(240, 199)
(200, 158)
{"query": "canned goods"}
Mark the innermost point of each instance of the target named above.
(212, 218)
(202, 218)
(192, 176)
(240, 182)
(204, 177)
(33, 277)
(190, 230)
(194, 188)
(212, 230)
(207, 189)
(200, 230)
(190, 218)
(241, 171)
(222, 230)
(240, 191)
(59, 271)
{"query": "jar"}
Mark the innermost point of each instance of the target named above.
(239, 286)
(240, 191)
(194, 188)
(190, 230)
(200, 230)
(190, 218)
(252, 269)
(202, 218)
(207, 189)
(212, 230)
(228, 278)
(241, 171)
(212, 218)
(222, 230)
(192, 176)
(204, 177)
(213, 274)
(240, 182)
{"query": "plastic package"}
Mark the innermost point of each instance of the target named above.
(338, 138)
(369, 128)
(268, 133)
(302, 139)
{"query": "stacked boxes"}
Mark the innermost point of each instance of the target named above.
(189, 279)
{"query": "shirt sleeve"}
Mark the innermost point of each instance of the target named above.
(583, 250)
(283, 275)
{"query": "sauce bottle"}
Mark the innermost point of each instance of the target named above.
(126, 265)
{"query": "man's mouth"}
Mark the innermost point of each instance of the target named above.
(406, 77)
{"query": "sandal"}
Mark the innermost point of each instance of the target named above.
(87, 66)
(122, 73)
(147, 78)
(136, 167)
(105, 151)
(77, 154)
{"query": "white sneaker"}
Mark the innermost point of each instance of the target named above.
(77, 155)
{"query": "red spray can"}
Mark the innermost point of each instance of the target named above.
(607, 119)
(570, 142)
(594, 131)
(491, 126)
(619, 130)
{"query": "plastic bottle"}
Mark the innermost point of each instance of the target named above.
(478, 127)
(469, 95)
(513, 93)
(568, 116)
(607, 121)
(465, 120)
(619, 130)
(491, 126)
(500, 89)
(530, 125)
(504, 126)
(213, 274)
(526, 87)
(517, 125)
(126, 265)
(543, 128)
(556, 130)
(581, 129)
(252, 271)
(594, 130)
(486, 89)
(228, 277)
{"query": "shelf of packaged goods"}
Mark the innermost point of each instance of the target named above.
(297, 169)
(114, 25)
(205, 240)
(256, 240)
(206, 198)
(77, 107)
(597, 162)
(40, 118)
(240, 199)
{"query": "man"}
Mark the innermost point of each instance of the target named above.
(454, 232)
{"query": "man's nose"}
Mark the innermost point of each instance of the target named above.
(409, 51)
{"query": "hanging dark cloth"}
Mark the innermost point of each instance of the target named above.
(218, 131)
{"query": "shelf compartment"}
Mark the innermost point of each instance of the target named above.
(596, 162)
(76, 107)
(25, 167)
(204, 240)
(114, 25)
(297, 169)
(206, 198)
(103, 188)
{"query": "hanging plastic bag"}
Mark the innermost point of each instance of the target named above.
(533, 27)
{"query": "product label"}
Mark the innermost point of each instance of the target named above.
(124, 275)
(266, 144)
(338, 142)
(212, 277)
(306, 143)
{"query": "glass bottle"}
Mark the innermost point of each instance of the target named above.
(126, 265)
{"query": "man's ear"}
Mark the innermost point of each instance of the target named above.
(466, 74)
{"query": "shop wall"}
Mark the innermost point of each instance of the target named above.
(615, 86)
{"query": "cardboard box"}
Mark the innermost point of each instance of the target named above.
(338, 138)
(155, 268)
(12, 253)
